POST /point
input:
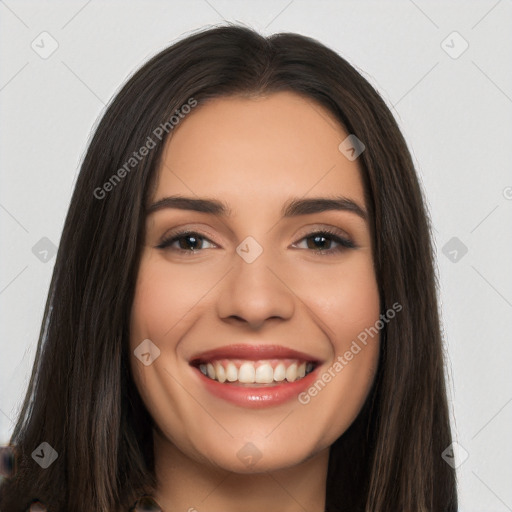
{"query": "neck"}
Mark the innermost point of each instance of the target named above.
(185, 484)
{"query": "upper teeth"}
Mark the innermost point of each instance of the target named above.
(260, 372)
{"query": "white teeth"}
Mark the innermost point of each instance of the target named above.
(220, 373)
(231, 372)
(291, 372)
(280, 372)
(211, 370)
(248, 372)
(264, 374)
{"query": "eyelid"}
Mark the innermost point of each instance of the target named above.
(306, 231)
(314, 228)
(173, 235)
(188, 228)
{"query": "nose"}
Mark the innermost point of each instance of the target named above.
(254, 293)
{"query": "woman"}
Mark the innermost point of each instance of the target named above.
(243, 309)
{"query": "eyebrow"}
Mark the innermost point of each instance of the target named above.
(293, 208)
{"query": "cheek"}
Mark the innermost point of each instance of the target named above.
(345, 298)
(162, 299)
(354, 313)
(346, 304)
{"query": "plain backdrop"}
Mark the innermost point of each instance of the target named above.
(444, 68)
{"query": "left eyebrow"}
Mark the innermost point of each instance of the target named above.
(293, 208)
(321, 204)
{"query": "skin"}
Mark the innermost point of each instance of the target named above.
(255, 154)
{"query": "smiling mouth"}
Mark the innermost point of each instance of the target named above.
(260, 373)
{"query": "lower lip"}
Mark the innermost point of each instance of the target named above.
(258, 397)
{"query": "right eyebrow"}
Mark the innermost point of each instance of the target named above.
(212, 206)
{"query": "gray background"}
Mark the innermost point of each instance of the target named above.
(454, 108)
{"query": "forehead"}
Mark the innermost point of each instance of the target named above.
(262, 148)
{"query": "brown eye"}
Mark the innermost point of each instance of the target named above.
(188, 241)
(321, 242)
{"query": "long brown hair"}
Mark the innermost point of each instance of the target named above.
(81, 397)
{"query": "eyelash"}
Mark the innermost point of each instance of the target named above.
(344, 243)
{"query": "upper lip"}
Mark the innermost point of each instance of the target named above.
(251, 353)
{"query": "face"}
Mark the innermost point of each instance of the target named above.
(266, 290)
